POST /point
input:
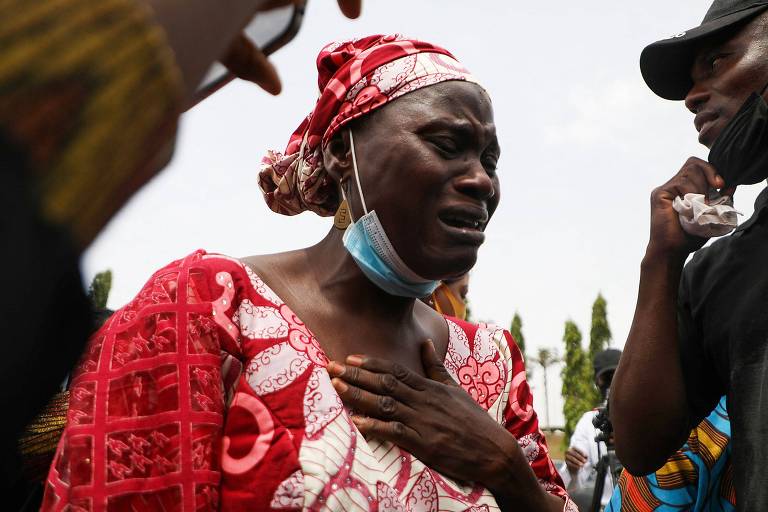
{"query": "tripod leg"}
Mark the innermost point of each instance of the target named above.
(597, 495)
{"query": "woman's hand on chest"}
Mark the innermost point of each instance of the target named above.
(430, 417)
(440, 424)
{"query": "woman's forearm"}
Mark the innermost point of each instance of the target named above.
(514, 484)
(648, 402)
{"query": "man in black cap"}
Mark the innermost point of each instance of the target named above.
(702, 332)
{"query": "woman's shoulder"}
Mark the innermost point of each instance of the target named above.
(482, 333)
(201, 275)
(203, 266)
(482, 352)
(200, 260)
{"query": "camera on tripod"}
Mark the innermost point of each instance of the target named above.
(591, 463)
(608, 463)
(603, 424)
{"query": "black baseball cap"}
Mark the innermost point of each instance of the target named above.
(666, 64)
(606, 361)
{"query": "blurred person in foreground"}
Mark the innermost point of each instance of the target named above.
(584, 452)
(701, 332)
(222, 384)
(90, 95)
(450, 297)
(696, 478)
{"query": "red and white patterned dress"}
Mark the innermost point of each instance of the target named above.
(207, 393)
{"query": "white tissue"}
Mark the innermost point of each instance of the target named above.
(706, 218)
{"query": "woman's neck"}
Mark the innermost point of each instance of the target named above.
(347, 313)
(342, 281)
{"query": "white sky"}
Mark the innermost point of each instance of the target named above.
(583, 144)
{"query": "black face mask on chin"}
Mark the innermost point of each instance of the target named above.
(740, 152)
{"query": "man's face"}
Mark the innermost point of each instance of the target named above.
(459, 287)
(725, 72)
(603, 381)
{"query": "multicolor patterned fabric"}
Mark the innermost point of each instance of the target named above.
(206, 392)
(698, 478)
(354, 77)
(89, 91)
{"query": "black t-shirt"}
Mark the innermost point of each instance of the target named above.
(723, 323)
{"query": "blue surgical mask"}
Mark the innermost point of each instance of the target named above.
(368, 244)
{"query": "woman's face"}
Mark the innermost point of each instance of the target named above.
(427, 164)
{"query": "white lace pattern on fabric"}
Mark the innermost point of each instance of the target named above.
(290, 493)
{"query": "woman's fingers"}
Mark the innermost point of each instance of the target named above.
(385, 366)
(364, 402)
(246, 61)
(393, 431)
(381, 383)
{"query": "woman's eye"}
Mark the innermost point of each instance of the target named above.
(490, 167)
(446, 146)
(490, 163)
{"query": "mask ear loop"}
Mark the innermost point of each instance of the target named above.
(764, 89)
(357, 175)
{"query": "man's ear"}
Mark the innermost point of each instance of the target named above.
(337, 156)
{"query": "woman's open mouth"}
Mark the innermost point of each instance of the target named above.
(465, 225)
(457, 222)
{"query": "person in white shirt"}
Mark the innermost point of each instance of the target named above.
(583, 454)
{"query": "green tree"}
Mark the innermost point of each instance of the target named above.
(546, 358)
(577, 379)
(516, 329)
(99, 289)
(599, 339)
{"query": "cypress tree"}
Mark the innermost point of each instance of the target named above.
(577, 379)
(599, 339)
(516, 329)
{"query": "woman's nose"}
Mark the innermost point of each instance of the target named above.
(476, 182)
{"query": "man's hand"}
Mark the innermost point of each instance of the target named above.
(200, 32)
(649, 406)
(247, 62)
(667, 236)
(350, 8)
(575, 459)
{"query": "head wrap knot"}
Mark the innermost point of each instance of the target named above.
(354, 78)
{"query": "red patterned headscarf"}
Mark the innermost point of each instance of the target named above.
(355, 77)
